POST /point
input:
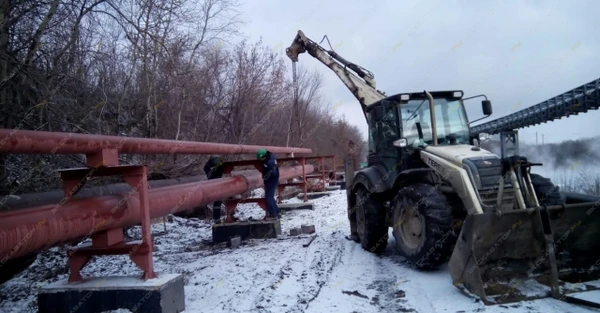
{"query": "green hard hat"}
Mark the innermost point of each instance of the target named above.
(261, 153)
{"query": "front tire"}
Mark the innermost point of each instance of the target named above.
(370, 221)
(422, 226)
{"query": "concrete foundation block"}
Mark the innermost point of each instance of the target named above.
(308, 229)
(314, 195)
(340, 183)
(295, 231)
(164, 294)
(235, 242)
(332, 187)
(296, 206)
(290, 193)
(246, 230)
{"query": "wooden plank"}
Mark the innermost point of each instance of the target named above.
(310, 241)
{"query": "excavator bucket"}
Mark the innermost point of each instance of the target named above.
(529, 254)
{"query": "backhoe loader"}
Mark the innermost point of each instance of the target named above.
(508, 234)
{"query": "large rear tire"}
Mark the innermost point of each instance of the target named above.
(546, 192)
(422, 225)
(370, 221)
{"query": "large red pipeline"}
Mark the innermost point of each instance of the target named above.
(55, 196)
(29, 141)
(30, 230)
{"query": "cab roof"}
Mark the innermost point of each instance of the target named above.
(452, 94)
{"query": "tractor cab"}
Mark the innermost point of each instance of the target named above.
(402, 123)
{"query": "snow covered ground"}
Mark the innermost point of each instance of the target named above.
(333, 274)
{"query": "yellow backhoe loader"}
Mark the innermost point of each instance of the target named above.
(508, 234)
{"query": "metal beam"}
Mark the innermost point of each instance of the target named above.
(31, 142)
(578, 100)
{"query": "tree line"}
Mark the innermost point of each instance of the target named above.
(169, 69)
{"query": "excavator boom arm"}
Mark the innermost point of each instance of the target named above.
(361, 84)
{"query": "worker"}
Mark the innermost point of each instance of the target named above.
(270, 173)
(213, 170)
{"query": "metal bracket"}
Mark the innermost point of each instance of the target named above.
(550, 249)
(228, 167)
(111, 241)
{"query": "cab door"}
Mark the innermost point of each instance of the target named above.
(383, 131)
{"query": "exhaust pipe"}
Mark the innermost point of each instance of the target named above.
(432, 113)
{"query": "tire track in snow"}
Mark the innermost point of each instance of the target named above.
(389, 296)
(411, 290)
(258, 269)
(361, 282)
(300, 281)
(325, 265)
(421, 297)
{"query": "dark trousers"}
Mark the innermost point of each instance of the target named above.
(216, 204)
(270, 187)
(217, 210)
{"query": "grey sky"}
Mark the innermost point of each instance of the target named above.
(518, 53)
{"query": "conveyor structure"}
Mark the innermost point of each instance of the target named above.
(578, 100)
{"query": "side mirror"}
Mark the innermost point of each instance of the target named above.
(378, 113)
(486, 106)
(401, 143)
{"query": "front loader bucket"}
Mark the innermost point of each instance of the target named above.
(529, 254)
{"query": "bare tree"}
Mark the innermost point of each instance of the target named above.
(154, 68)
(309, 85)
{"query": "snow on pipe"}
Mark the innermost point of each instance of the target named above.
(29, 230)
(30, 141)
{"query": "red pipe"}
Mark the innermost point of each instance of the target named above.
(29, 141)
(54, 196)
(29, 230)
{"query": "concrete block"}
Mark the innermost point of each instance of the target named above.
(296, 206)
(289, 195)
(314, 195)
(290, 192)
(308, 229)
(164, 294)
(235, 242)
(332, 187)
(246, 230)
(295, 231)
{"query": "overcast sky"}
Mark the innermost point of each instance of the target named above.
(518, 53)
